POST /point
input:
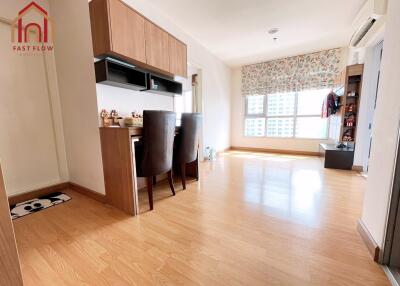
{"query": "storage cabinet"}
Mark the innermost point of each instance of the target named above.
(124, 21)
(101, 35)
(111, 21)
(337, 158)
(157, 48)
(120, 31)
(348, 87)
(178, 57)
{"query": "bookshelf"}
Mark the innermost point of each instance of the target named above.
(349, 82)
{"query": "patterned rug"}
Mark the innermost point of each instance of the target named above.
(38, 204)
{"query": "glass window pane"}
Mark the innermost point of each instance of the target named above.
(310, 101)
(280, 127)
(254, 127)
(255, 104)
(178, 108)
(311, 127)
(280, 104)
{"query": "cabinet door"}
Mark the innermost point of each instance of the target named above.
(157, 46)
(177, 57)
(127, 31)
(100, 28)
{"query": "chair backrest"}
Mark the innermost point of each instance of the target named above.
(158, 141)
(189, 137)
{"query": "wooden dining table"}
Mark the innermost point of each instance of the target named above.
(119, 167)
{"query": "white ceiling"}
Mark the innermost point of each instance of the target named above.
(236, 31)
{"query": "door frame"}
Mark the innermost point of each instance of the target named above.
(375, 66)
(393, 214)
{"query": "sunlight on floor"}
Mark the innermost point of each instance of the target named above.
(263, 156)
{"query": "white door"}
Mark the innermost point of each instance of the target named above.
(27, 140)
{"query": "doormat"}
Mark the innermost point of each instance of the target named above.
(38, 204)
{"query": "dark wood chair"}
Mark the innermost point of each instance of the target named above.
(154, 151)
(187, 145)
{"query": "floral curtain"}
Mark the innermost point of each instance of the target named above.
(309, 71)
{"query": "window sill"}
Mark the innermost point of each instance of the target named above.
(287, 138)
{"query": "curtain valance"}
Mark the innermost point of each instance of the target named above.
(309, 71)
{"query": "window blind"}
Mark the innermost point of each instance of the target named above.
(304, 72)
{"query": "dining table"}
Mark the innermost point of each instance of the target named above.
(119, 167)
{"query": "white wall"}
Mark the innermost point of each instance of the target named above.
(385, 130)
(367, 102)
(125, 101)
(77, 89)
(215, 78)
(237, 130)
(32, 150)
(368, 93)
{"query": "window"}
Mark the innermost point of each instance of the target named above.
(182, 104)
(255, 126)
(255, 104)
(290, 115)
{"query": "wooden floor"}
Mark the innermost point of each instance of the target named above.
(254, 219)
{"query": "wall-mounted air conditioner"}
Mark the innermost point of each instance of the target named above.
(368, 20)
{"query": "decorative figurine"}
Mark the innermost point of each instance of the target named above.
(115, 118)
(137, 119)
(351, 120)
(348, 135)
(351, 107)
(105, 116)
(128, 121)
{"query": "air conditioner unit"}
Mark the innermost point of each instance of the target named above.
(368, 20)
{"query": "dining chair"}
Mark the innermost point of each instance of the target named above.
(187, 145)
(154, 152)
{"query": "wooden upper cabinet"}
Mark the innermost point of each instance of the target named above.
(178, 57)
(127, 31)
(120, 31)
(157, 46)
(99, 22)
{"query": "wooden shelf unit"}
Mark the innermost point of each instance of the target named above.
(350, 79)
(160, 85)
(111, 72)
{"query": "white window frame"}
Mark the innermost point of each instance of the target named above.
(266, 117)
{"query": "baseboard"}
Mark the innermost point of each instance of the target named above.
(357, 168)
(369, 241)
(15, 199)
(87, 192)
(223, 151)
(277, 151)
(391, 275)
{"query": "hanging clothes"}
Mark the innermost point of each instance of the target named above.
(329, 106)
